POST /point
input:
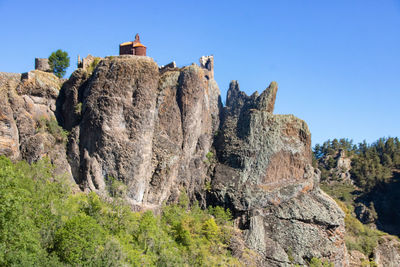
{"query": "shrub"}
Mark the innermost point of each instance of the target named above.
(93, 65)
(221, 215)
(26, 219)
(78, 108)
(359, 236)
(79, 240)
(116, 188)
(315, 262)
(51, 126)
(211, 229)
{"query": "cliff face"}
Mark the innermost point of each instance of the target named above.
(264, 175)
(28, 128)
(149, 128)
(160, 131)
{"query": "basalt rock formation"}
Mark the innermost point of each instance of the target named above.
(149, 128)
(163, 130)
(28, 128)
(264, 174)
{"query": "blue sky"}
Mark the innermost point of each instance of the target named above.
(337, 63)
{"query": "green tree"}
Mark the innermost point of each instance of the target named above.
(43, 223)
(59, 62)
(79, 240)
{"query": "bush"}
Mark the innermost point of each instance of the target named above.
(116, 188)
(315, 262)
(26, 220)
(343, 192)
(93, 65)
(79, 240)
(78, 108)
(51, 126)
(359, 236)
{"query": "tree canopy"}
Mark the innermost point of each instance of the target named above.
(370, 163)
(59, 62)
(44, 223)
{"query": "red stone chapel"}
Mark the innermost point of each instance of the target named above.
(133, 48)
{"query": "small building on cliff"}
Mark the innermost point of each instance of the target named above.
(42, 64)
(133, 48)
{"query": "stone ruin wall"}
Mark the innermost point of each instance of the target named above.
(42, 64)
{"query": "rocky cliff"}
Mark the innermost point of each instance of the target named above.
(28, 127)
(264, 174)
(163, 130)
(149, 128)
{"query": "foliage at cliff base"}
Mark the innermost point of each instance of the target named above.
(42, 223)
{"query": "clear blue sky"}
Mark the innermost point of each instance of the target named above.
(337, 63)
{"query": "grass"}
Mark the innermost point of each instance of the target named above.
(340, 191)
(93, 65)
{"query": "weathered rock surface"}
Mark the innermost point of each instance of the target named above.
(264, 175)
(387, 253)
(148, 129)
(356, 258)
(27, 110)
(341, 172)
(9, 139)
(162, 130)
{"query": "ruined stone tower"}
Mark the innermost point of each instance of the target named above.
(42, 64)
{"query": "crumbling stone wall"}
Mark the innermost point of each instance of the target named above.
(85, 62)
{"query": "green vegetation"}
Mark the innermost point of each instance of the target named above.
(373, 174)
(78, 108)
(42, 223)
(116, 188)
(371, 164)
(59, 62)
(341, 191)
(93, 65)
(359, 236)
(51, 126)
(207, 186)
(315, 262)
(210, 157)
(289, 252)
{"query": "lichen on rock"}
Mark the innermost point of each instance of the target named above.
(264, 175)
(149, 129)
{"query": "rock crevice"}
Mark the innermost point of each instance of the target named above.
(147, 128)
